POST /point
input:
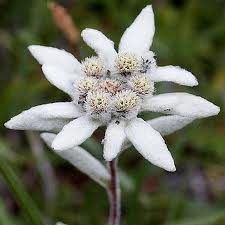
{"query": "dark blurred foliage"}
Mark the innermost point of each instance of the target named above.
(189, 33)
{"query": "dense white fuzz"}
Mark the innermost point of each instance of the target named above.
(111, 85)
(75, 133)
(174, 74)
(36, 123)
(166, 125)
(126, 104)
(82, 160)
(43, 117)
(138, 37)
(62, 80)
(101, 44)
(66, 110)
(55, 57)
(182, 104)
(87, 84)
(114, 139)
(127, 63)
(93, 66)
(141, 84)
(150, 144)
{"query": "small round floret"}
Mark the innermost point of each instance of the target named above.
(126, 104)
(111, 86)
(97, 101)
(87, 84)
(141, 84)
(127, 63)
(93, 66)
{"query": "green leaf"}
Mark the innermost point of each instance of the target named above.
(23, 199)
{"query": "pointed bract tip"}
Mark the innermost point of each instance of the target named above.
(173, 169)
(195, 83)
(57, 146)
(216, 110)
(212, 110)
(170, 167)
(167, 163)
(32, 48)
(13, 123)
(148, 8)
(85, 31)
(8, 124)
(45, 136)
(35, 50)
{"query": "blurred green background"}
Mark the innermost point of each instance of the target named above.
(37, 187)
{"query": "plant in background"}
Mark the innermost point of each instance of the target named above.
(110, 90)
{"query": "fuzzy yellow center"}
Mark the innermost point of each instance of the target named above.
(93, 67)
(87, 84)
(141, 84)
(126, 101)
(127, 63)
(98, 101)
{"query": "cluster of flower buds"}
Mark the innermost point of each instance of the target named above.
(105, 94)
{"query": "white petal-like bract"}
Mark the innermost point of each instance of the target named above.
(114, 139)
(166, 125)
(63, 80)
(138, 37)
(182, 104)
(47, 117)
(38, 124)
(174, 74)
(103, 46)
(55, 57)
(82, 160)
(150, 144)
(75, 133)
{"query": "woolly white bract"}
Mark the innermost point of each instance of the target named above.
(112, 89)
(82, 160)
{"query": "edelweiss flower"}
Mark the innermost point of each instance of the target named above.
(110, 90)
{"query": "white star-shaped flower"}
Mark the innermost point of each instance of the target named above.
(110, 90)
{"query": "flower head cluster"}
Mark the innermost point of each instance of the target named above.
(106, 95)
(110, 90)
